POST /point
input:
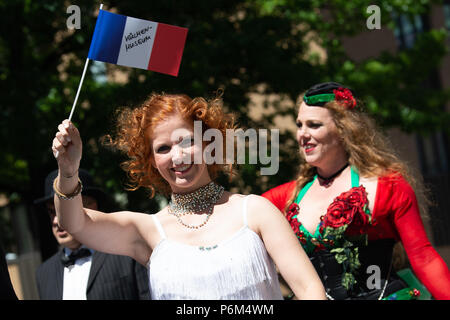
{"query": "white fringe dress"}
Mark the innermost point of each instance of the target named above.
(238, 268)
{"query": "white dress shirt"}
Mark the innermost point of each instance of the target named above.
(76, 278)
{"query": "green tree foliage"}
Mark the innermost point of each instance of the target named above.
(240, 46)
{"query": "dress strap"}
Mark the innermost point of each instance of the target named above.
(355, 183)
(302, 192)
(244, 210)
(355, 177)
(158, 226)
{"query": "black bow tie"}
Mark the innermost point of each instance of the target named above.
(75, 255)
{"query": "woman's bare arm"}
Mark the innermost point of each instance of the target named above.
(285, 250)
(116, 233)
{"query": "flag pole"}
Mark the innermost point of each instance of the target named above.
(81, 82)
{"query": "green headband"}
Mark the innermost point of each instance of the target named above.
(319, 98)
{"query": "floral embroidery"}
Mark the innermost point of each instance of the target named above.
(349, 210)
(292, 217)
(341, 230)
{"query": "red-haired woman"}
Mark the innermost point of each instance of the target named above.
(207, 243)
(352, 200)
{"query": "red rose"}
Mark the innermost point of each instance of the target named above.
(349, 208)
(293, 209)
(359, 224)
(295, 225)
(345, 96)
(361, 220)
(291, 216)
(357, 196)
(338, 214)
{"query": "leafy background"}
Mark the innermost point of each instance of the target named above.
(244, 47)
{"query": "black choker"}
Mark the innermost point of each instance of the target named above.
(327, 180)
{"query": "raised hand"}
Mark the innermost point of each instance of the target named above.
(67, 148)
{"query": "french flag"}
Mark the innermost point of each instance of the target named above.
(137, 43)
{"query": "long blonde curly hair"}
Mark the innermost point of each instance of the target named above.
(368, 150)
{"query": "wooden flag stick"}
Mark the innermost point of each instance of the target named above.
(81, 82)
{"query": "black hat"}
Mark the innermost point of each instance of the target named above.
(321, 93)
(89, 189)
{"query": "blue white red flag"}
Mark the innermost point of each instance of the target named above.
(137, 43)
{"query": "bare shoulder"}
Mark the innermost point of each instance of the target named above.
(373, 179)
(371, 185)
(255, 204)
(260, 204)
(261, 211)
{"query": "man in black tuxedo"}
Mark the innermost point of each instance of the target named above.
(79, 273)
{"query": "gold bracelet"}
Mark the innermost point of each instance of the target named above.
(68, 196)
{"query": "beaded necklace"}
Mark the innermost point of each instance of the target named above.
(200, 201)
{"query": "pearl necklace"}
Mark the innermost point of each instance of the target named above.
(201, 200)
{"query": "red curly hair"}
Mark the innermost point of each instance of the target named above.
(134, 131)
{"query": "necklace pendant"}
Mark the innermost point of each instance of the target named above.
(202, 248)
(327, 182)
